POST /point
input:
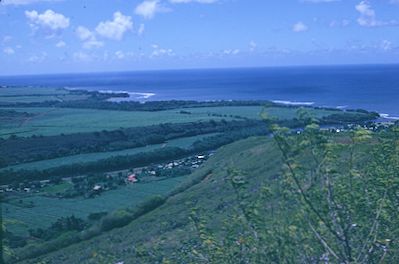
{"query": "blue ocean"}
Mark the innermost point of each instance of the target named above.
(370, 87)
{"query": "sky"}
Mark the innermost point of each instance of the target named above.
(66, 36)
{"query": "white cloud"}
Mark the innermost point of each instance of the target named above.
(116, 28)
(9, 51)
(6, 39)
(368, 17)
(141, 30)
(340, 23)
(37, 58)
(386, 45)
(158, 51)
(48, 20)
(299, 27)
(82, 57)
(193, 1)
(60, 44)
(89, 39)
(149, 8)
(231, 51)
(120, 55)
(252, 46)
(84, 33)
(25, 2)
(92, 44)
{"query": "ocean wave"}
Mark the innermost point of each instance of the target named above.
(132, 95)
(292, 102)
(342, 107)
(387, 116)
(142, 95)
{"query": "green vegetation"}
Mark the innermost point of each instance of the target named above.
(38, 95)
(31, 91)
(55, 121)
(47, 210)
(278, 112)
(309, 197)
(184, 143)
(18, 150)
(58, 188)
(66, 157)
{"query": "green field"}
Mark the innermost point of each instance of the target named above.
(54, 121)
(185, 142)
(31, 91)
(47, 210)
(54, 189)
(38, 99)
(242, 111)
(254, 112)
(290, 113)
(37, 94)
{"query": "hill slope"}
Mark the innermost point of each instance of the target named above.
(169, 227)
(309, 197)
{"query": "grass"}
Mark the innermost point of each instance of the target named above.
(254, 112)
(168, 227)
(54, 189)
(54, 121)
(242, 111)
(47, 210)
(39, 99)
(290, 113)
(37, 94)
(24, 91)
(185, 142)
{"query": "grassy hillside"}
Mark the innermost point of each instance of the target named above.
(169, 226)
(295, 198)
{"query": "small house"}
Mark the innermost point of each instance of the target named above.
(132, 178)
(97, 188)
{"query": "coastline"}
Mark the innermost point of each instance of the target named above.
(146, 97)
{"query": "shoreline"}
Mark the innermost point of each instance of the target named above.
(145, 96)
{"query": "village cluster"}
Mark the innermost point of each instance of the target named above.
(91, 185)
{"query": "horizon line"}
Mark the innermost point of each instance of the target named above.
(204, 69)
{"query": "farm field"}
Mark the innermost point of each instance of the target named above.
(47, 210)
(54, 121)
(254, 112)
(38, 99)
(39, 94)
(29, 91)
(185, 142)
(290, 113)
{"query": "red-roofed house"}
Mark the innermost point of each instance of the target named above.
(132, 178)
